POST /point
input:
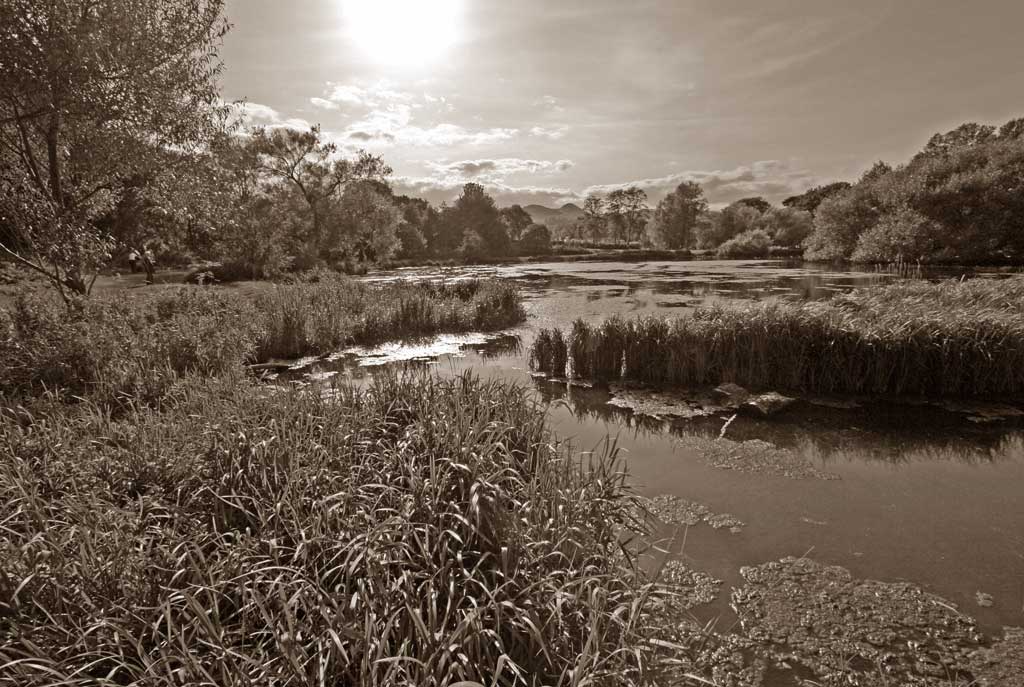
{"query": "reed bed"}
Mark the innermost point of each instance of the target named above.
(135, 349)
(954, 338)
(418, 532)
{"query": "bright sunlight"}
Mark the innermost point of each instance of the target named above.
(403, 32)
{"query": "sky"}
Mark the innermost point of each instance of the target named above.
(545, 101)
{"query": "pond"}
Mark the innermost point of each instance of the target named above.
(890, 490)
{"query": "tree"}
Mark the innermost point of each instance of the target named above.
(810, 199)
(675, 218)
(593, 222)
(756, 202)
(787, 226)
(516, 220)
(371, 224)
(627, 210)
(536, 240)
(839, 222)
(414, 228)
(750, 244)
(92, 94)
(476, 219)
(733, 220)
(309, 164)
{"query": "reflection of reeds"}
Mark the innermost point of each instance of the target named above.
(953, 338)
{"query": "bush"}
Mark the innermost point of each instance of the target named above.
(536, 240)
(750, 244)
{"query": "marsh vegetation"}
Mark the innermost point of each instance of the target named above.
(957, 338)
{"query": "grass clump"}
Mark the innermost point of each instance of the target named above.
(955, 338)
(135, 350)
(417, 532)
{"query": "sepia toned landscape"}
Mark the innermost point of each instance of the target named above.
(461, 343)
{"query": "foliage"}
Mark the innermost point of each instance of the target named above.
(536, 240)
(416, 532)
(516, 221)
(954, 338)
(810, 199)
(93, 93)
(477, 221)
(750, 244)
(958, 200)
(787, 226)
(309, 165)
(733, 220)
(675, 218)
(125, 351)
(371, 223)
(627, 212)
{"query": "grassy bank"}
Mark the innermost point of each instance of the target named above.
(418, 532)
(134, 348)
(952, 338)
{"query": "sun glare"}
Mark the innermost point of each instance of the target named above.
(403, 32)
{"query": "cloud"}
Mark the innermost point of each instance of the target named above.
(393, 126)
(374, 95)
(772, 179)
(446, 190)
(551, 133)
(254, 114)
(324, 104)
(549, 102)
(497, 169)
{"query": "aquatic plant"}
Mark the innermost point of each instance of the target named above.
(416, 532)
(955, 338)
(135, 349)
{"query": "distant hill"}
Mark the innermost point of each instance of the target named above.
(554, 217)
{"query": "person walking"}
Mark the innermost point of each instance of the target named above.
(148, 264)
(133, 261)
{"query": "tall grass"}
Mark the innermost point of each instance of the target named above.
(420, 532)
(135, 349)
(956, 338)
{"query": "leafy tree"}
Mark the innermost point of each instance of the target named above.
(417, 216)
(593, 223)
(92, 95)
(675, 218)
(311, 166)
(750, 244)
(787, 226)
(476, 219)
(627, 212)
(969, 134)
(732, 221)
(516, 221)
(810, 199)
(371, 223)
(756, 202)
(536, 240)
(839, 222)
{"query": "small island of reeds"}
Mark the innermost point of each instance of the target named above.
(952, 338)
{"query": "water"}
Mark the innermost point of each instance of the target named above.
(924, 494)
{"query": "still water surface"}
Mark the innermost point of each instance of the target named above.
(924, 494)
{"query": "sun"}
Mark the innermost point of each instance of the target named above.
(403, 33)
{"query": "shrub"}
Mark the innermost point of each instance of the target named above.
(750, 244)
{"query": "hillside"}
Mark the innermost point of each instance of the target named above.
(554, 217)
